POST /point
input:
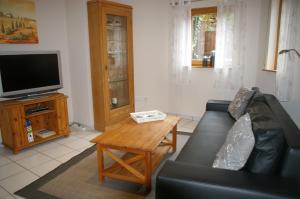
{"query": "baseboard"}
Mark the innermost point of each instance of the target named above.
(81, 127)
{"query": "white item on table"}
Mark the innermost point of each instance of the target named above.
(148, 116)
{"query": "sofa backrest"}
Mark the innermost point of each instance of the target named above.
(290, 162)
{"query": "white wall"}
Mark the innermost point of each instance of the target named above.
(79, 57)
(267, 83)
(150, 45)
(52, 31)
(62, 25)
(190, 100)
(150, 37)
(267, 80)
(152, 86)
(293, 106)
(153, 90)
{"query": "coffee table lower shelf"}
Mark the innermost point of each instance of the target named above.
(144, 146)
(132, 167)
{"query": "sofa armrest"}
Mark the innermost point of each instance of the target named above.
(179, 180)
(217, 105)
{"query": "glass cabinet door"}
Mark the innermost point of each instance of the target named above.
(116, 27)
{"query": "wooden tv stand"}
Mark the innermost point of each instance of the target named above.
(13, 118)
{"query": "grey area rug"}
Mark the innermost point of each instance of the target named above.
(78, 179)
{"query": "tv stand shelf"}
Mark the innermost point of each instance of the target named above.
(13, 120)
(40, 113)
(42, 140)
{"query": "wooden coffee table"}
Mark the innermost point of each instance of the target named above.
(144, 145)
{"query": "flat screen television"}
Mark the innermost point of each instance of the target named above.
(26, 73)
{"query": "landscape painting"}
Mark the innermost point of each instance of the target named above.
(18, 22)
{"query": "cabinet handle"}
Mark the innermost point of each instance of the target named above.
(106, 67)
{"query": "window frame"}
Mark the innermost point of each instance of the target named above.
(201, 11)
(273, 66)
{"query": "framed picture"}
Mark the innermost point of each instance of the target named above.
(18, 22)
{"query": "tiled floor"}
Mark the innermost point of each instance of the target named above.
(186, 125)
(17, 171)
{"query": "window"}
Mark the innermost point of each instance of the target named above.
(204, 21)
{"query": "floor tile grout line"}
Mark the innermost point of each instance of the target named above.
(14, 173)
(29, 170)
(20, 153)
(15, 161)
(73, 150)
(35, 166)
(38, 152)
(21, 172)
(55, 141)
(32, 167)
(11, 194)
(189, 124)
(76, 140)
(59, 156)
(5, 164)
(63, 156)
(42, 164)
(41, 153)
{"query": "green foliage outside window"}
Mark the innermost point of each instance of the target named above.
(205, 23)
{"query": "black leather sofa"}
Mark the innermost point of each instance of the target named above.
(191, 175)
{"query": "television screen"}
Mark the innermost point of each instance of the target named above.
(23, 74)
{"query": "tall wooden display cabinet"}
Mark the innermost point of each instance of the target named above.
(110, 33)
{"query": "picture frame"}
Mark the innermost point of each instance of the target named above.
(18, 24)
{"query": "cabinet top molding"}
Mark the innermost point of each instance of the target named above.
(48, 97)
(104, 2)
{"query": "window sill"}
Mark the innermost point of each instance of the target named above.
(207, 67)
(269, 70)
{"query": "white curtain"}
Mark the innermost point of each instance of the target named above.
(180, 40)
(289, 39)
(230, 44)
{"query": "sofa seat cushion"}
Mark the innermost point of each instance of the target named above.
(207, 139)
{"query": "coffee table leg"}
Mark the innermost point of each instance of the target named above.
(148, 171)
(174, 138)
(100, 163)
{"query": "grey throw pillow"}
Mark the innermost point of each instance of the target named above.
(238, 146)
(258, 96)
(238, 106)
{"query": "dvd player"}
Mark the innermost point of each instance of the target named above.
(36, 109)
